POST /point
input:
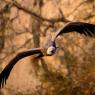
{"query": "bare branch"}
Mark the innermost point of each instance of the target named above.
(16, 4)
(75, 9)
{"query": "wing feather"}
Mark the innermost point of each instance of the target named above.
(80, 27)
(6, 72)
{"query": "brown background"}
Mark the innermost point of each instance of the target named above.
(30, 23)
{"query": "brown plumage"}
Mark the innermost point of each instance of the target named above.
(40, 53)
(50, 49)
(80, 27)
(6, 72)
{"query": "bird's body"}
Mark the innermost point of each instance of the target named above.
(49, 50)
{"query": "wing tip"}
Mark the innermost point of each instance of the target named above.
(3, 77)
(2, 80)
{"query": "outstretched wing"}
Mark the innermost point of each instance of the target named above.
(83, 28)
(6, 72)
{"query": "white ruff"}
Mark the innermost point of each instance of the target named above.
(50, 49)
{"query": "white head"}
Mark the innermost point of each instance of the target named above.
(51, 50)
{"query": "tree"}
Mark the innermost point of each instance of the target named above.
(65, 72)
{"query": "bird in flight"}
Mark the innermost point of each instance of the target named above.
(48, 50)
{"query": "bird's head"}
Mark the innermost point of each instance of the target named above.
(51, 50)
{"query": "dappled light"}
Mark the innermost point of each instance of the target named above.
(55, 65)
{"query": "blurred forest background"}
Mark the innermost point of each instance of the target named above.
(26, 24)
